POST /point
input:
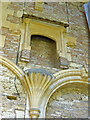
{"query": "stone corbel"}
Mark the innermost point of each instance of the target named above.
(62, 44)
(70, 42)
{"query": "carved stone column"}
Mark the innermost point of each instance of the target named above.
(25, 53)
(34, 113)
(38, 81)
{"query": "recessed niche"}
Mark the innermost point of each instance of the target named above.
(43, 51)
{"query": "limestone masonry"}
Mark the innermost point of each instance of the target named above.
(43, 60)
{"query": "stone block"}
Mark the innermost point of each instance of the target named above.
(2, 40)
(64, 63)
(25, 55)
(13, 19)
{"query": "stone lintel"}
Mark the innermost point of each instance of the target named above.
(62, 23)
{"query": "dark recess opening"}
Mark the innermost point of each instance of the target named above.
(43, 51)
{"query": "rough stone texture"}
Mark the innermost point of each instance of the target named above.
(9, 89)
(77, 21)
(43, 52)
(79, 30)
(64, 63)
(57, 11)
(16, 6)
(11, 44)
(63, 103)
(68, 102)
(13, 19)
(25, 55)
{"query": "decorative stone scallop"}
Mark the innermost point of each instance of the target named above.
(38, 81)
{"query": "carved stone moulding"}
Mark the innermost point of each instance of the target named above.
(38, 80)
(40, 84)
(47, 28)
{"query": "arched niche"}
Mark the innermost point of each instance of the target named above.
(54, 30)
(43, 51)
(69, 101)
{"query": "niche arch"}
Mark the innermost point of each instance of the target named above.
(44, 35)
(54, 30)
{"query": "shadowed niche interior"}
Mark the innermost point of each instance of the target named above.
(43, 51)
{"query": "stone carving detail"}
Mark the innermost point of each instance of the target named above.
(31, 27)
(40, 84)
(38, 80)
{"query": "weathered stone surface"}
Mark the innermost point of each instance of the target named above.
(25, 55)
(58, 12)
(64, 63)
(43, 52)
(65, 103)
(68, 102)
(9, 94)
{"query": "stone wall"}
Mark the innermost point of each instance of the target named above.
(60, 105)
(11, 44)
(68, 102)
(52, 11)
(11, 101)
(43, 52)
(79, 30)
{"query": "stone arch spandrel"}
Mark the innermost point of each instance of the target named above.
(69, 101)
(62, 78)
(16, 71)
(12, 95)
